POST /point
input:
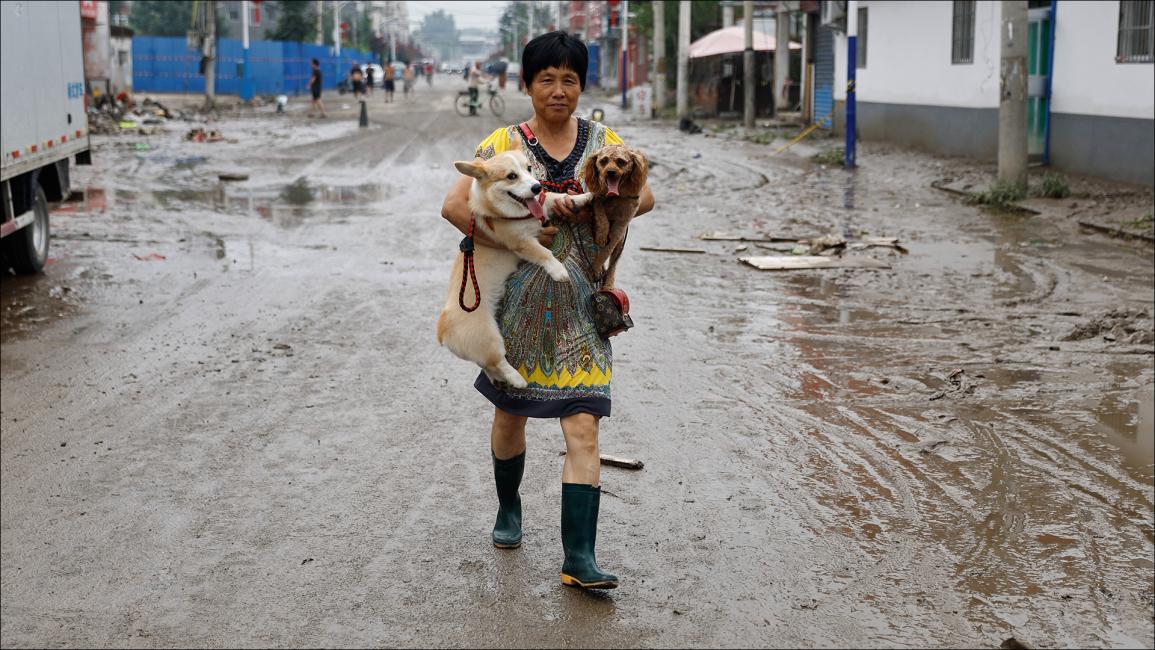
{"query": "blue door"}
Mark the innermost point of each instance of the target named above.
(593, 77)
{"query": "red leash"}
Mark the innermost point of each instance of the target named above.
(467, 270)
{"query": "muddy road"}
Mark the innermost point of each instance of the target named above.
(226, 421)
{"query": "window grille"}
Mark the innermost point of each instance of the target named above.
(1136, 32)
(962, 44)
(860, 50)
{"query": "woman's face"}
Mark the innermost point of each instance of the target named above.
(555, 93)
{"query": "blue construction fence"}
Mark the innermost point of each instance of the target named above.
(165, 64)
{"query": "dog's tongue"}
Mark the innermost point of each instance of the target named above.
(612, 186)
(535, 208)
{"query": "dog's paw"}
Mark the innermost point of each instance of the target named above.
(558, 272)
(602, 238)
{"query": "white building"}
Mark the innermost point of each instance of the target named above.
(389, 17)
(928, 76)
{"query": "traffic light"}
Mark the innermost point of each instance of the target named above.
(614, 9)
(344, 32)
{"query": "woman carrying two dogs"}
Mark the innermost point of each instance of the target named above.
(549, 335)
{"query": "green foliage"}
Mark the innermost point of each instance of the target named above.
(165, 18)
(830, 157)
(296, 21)
(1000, 194)
(1053, 186)
(705, 17)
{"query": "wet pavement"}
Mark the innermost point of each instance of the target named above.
(226, 421)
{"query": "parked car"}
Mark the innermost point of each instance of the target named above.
(378, 73)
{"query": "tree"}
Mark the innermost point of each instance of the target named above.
(438, 32)
(162, 18)
(705, 17)
(296, 21)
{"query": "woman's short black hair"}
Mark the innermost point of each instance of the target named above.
(554, 50)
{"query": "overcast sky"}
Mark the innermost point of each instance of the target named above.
(476, 13)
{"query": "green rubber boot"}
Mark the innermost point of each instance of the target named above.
(507, 476)
(579, 532)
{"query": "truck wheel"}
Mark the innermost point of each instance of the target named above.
(27, 249)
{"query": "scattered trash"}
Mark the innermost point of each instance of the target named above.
(1126, 325)
(1014, 644)
(282, 346)
(233, 176)
(884, 242)
(141, 146)
(670, 249)
(306, 561)
(151, 257)
(688, 125)
(128, 124)
(282, 102)
(617, 461)
(742, 248)
(800, 262)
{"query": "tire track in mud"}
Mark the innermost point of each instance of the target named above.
(863, 468)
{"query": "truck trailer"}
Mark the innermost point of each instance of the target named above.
(43, 124)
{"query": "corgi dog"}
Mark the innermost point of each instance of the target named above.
(510, 206)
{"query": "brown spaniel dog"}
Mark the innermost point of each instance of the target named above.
(615, 175)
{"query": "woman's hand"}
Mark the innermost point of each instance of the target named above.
(546, 236)
(566, 210)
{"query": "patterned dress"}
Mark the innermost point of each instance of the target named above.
(549, 334)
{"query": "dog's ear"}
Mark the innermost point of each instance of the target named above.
(638, 172)
(474, 169)
(590, 176)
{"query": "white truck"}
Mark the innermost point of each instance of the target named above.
(42, 121)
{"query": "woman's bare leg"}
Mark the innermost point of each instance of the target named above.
(507, 437)
(582, 464)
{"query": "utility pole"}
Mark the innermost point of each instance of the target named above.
(849, 160)
(210, 54)
(1013, 94)
(320, 22)
(246, 74)
(683, 59)
(748, 82)
(781, 55)
(659, 55)
(625, 50)
(727, 13)
(529, 34)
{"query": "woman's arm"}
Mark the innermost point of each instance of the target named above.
(645, 201)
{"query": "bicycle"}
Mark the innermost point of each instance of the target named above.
(496, 103)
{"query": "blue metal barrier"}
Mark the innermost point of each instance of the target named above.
(164, 64)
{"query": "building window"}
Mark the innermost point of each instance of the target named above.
(860, 50)
(962, 33)
(1136, 32)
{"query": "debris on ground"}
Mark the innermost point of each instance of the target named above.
(671, 249)
(801, 262)
(724, 236)
(199, 134)
(151, 257)
(616, 461)
(1122, 231)
(233, 176)
(1122, 325)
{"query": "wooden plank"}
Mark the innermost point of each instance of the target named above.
(766, 239)
(617, 461)
(801, 262)
(671, 249)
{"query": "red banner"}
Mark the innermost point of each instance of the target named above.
(88, 9)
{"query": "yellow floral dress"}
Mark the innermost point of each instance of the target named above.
(548, 330)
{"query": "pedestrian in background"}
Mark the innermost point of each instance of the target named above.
(549, 333)
(357, 81)
(474, 77)
(408, 75)
(315, 89)
(368, 79)
(429, 73)
(388, 82)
